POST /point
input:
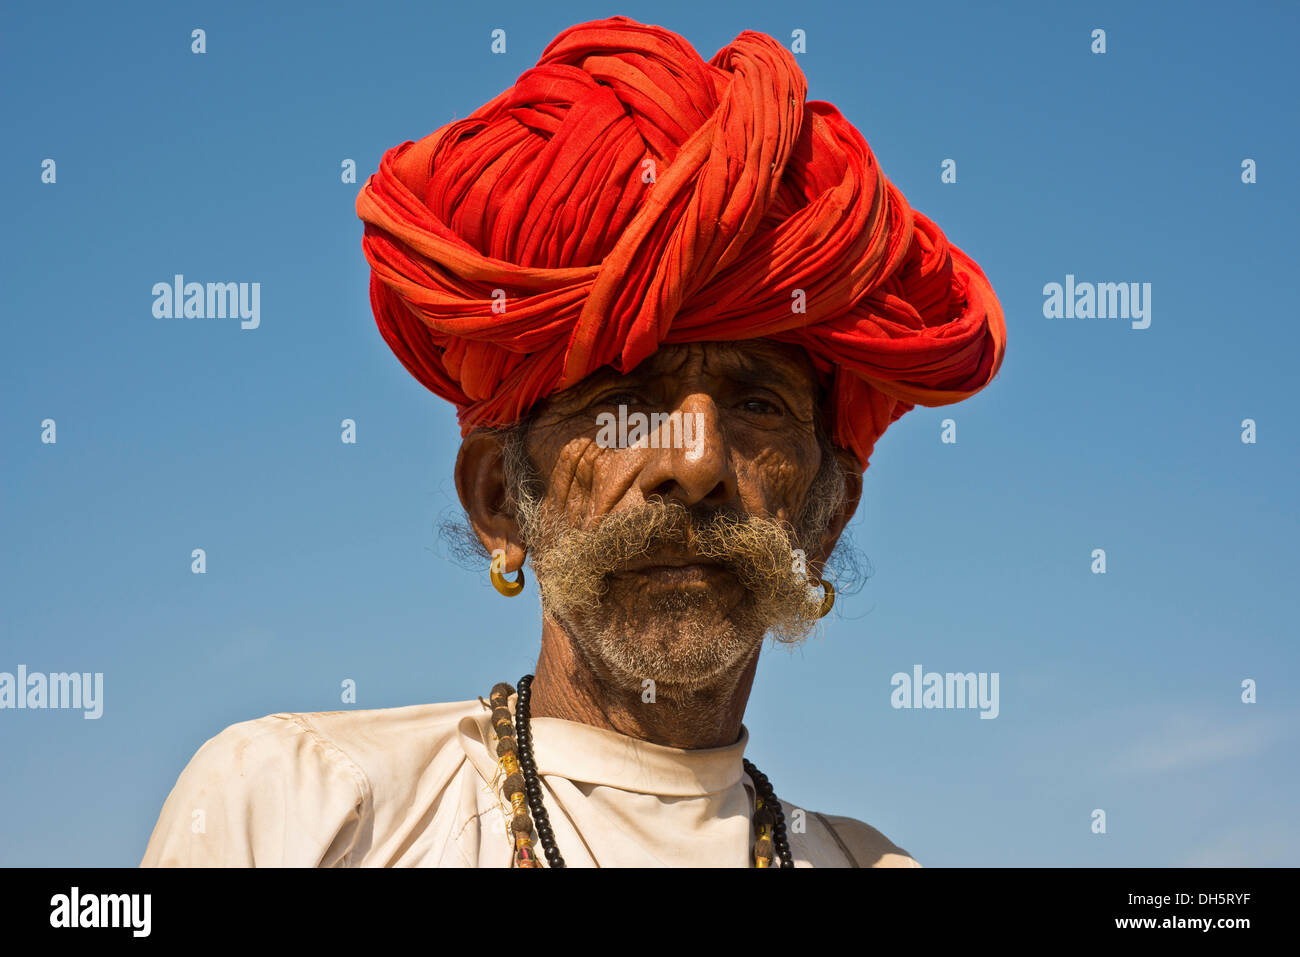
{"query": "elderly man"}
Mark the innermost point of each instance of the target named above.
(628, 236)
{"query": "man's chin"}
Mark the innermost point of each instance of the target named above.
(687, 643)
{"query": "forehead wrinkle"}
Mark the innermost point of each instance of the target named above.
(796, 375)
(658, 365)
(757, 363)
(753, 362)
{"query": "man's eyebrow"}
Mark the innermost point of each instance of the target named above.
(580, 393)
(608, 375)
(744, 369)
(754, 372)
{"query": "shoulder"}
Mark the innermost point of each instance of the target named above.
(835, 841)
(296, 789)
(354, 747)
(385, 743)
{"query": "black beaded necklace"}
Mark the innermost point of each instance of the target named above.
(524, 791)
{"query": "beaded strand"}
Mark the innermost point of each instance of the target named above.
(532, 786)
(524, 791)
(769, 822)
(514, 788)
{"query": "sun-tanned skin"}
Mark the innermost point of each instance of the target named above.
(757, 454)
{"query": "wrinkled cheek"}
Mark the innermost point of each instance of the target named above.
(590, 482)
(570, 481)
(771, 492)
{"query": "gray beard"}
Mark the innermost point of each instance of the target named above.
(694, 644)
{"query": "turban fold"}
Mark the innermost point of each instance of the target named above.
(625, 194)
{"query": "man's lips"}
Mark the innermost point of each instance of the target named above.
(675, 571)
(669, 561)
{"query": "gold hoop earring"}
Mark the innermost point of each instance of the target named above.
(499, 580)
(828, 601)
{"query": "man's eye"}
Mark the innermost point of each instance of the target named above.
(622, 398)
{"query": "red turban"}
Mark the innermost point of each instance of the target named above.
(624, 194)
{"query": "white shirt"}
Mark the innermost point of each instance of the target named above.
(414, 787)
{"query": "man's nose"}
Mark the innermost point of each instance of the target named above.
(695, 467)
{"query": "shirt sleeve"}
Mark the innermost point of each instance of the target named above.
(273, 792)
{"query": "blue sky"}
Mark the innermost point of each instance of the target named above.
(1119, 691)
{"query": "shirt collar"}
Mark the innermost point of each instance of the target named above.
(586, 754)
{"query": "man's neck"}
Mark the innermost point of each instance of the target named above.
(565, 687)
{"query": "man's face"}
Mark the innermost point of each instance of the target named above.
(671, 558)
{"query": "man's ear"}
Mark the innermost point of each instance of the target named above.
(481, 485)
(852, 496)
